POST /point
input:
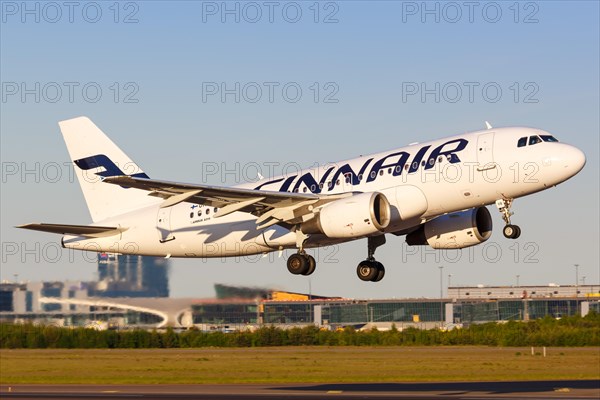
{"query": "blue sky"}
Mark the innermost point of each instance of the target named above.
(155, 65)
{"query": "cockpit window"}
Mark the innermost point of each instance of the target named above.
(548, 138)
(534, 140)
(522, 142)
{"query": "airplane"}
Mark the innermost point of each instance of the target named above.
(434, 193)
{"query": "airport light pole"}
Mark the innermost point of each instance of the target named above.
(517, 276)
(441, 267)
(310, 304)
(576, 280)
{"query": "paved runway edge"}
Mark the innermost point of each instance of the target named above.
(565, 389)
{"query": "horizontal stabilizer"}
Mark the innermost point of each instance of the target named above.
(78, 230)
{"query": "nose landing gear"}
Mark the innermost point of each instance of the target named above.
(510, 231)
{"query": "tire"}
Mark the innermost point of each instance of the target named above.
(366, 271)
(312, 265)
(517, 231)
(380, 272)
(297, 264)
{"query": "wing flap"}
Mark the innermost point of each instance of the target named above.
(233, 207)
(78, 230)
(178, 198)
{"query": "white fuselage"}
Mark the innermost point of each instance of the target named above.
(421, 181)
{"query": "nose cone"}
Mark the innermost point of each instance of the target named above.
(573, 160)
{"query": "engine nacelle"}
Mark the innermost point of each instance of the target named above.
(359, 215)
(454, 231)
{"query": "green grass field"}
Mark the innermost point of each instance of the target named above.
(296, 365)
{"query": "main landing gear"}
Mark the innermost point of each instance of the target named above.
(371, 270)
(510, 231)
(301, 264)
(368, 270)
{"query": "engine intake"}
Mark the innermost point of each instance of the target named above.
(359, 215)
(454, 231)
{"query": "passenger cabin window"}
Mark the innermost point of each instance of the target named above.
(522, 142)
(534, 140)
(548, 138)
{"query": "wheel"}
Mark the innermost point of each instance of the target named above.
(312, 265)
(511, 231)
(380, 272)
(297, 264)
(366, 271)
(518, 232)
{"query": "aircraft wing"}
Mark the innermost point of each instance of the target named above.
(269, 206)
(78, 230)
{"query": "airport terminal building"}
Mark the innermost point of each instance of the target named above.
(132, 292)
(67, 304)
(420, 313)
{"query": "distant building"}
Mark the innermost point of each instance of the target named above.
(243, 292)
(80, 303)
(240, 292)
(523, 292)
(130, 276)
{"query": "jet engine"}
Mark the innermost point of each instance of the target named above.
(454, 231)
(355, 216)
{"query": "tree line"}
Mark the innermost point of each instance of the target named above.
(568, 331)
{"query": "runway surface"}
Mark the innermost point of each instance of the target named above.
(586, 389)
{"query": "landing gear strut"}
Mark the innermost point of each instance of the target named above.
(510, 231)
(371, 270)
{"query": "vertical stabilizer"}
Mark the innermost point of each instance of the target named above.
(96, 157)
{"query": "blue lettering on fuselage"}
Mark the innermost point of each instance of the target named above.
(396, 166)
(349, 175)
(397, 161)
(311, 183)
(449, 154)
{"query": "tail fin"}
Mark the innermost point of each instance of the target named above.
(96, 157)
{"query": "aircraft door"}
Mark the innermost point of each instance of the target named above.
(485, 151)
(163, 224)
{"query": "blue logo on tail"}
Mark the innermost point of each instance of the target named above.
(110, 168)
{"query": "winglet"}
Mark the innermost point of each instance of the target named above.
(487, 125)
